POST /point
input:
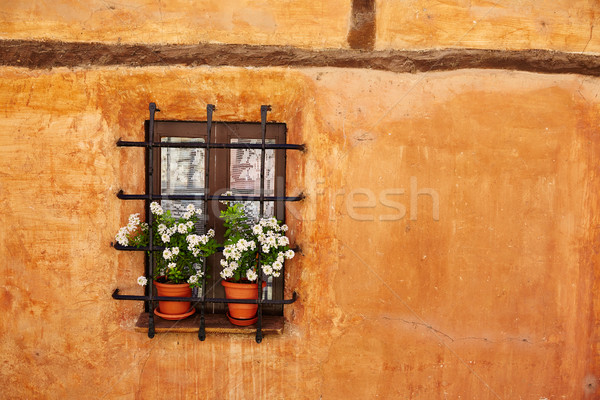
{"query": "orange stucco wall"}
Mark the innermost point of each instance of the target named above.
(566, 25)
(449, 235)
(492, 297)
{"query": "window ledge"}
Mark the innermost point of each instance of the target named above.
(214, 323)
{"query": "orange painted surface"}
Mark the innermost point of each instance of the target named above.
(565, 25)
(274, 22)
(449, 236)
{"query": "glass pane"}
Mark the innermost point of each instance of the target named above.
(244, 175)
(182, 172)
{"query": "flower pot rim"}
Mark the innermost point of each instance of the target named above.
(227, 283)
(170, 284)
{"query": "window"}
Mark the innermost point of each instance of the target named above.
(182, 173)
(198, 162)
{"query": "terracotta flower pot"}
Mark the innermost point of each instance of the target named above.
(174, 309)
(242, 314)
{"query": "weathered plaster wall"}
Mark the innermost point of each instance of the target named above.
(290, 22)
(450, 229)
(565, 25)
(491, 299)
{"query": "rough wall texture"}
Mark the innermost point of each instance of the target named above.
(290, 22)
(449, 234)
(490, 298)
(566, 25)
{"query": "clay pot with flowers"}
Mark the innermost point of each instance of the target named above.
(248, 244)
(178, 266)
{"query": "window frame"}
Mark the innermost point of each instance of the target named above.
(218, 183)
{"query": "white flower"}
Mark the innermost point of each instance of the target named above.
(156, 208)
(134, 219)
(193, 279)
(289, 254)
(190, 224)
(277, 266)
(175, 250)
(283, 241)
(280, 257)
(251, 275)
(223, 263)
(142, 281)
(165, 238)
(227, 193)
(190, 207)
(188, 215)
(162, 228)
(284, 228)
(227, 273)
(257, 229)
(121, 237)
(267, 269)
(276, 274)
(182, 228)
(171, 265)
(211, 233)
(167, 254)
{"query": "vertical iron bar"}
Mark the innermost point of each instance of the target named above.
(209, 111)
(263, 126)
(150, 218)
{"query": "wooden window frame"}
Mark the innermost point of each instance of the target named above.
(219, 171)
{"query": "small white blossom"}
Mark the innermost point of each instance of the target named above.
(134, 219)
(190, 207)
(165, 238)
(277, 266)
(171, 265)
(190, 224)
(283, 241)
(167, 255)
(227, 193)
(156, 208)
(276, 274)
(284, 228)
(121, 237)
(289, 254)
(193, 279)
(251, 275)
(211, 233)
(142, 281)
(257, 229)
(182, 228)
(175, 251)
(267, 269)
(188, 215)
(162, 228)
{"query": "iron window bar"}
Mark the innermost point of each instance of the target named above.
(123, 196)
(204, 145)
(149, 144)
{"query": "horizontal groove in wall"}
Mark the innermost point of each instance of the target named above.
(51, 54)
